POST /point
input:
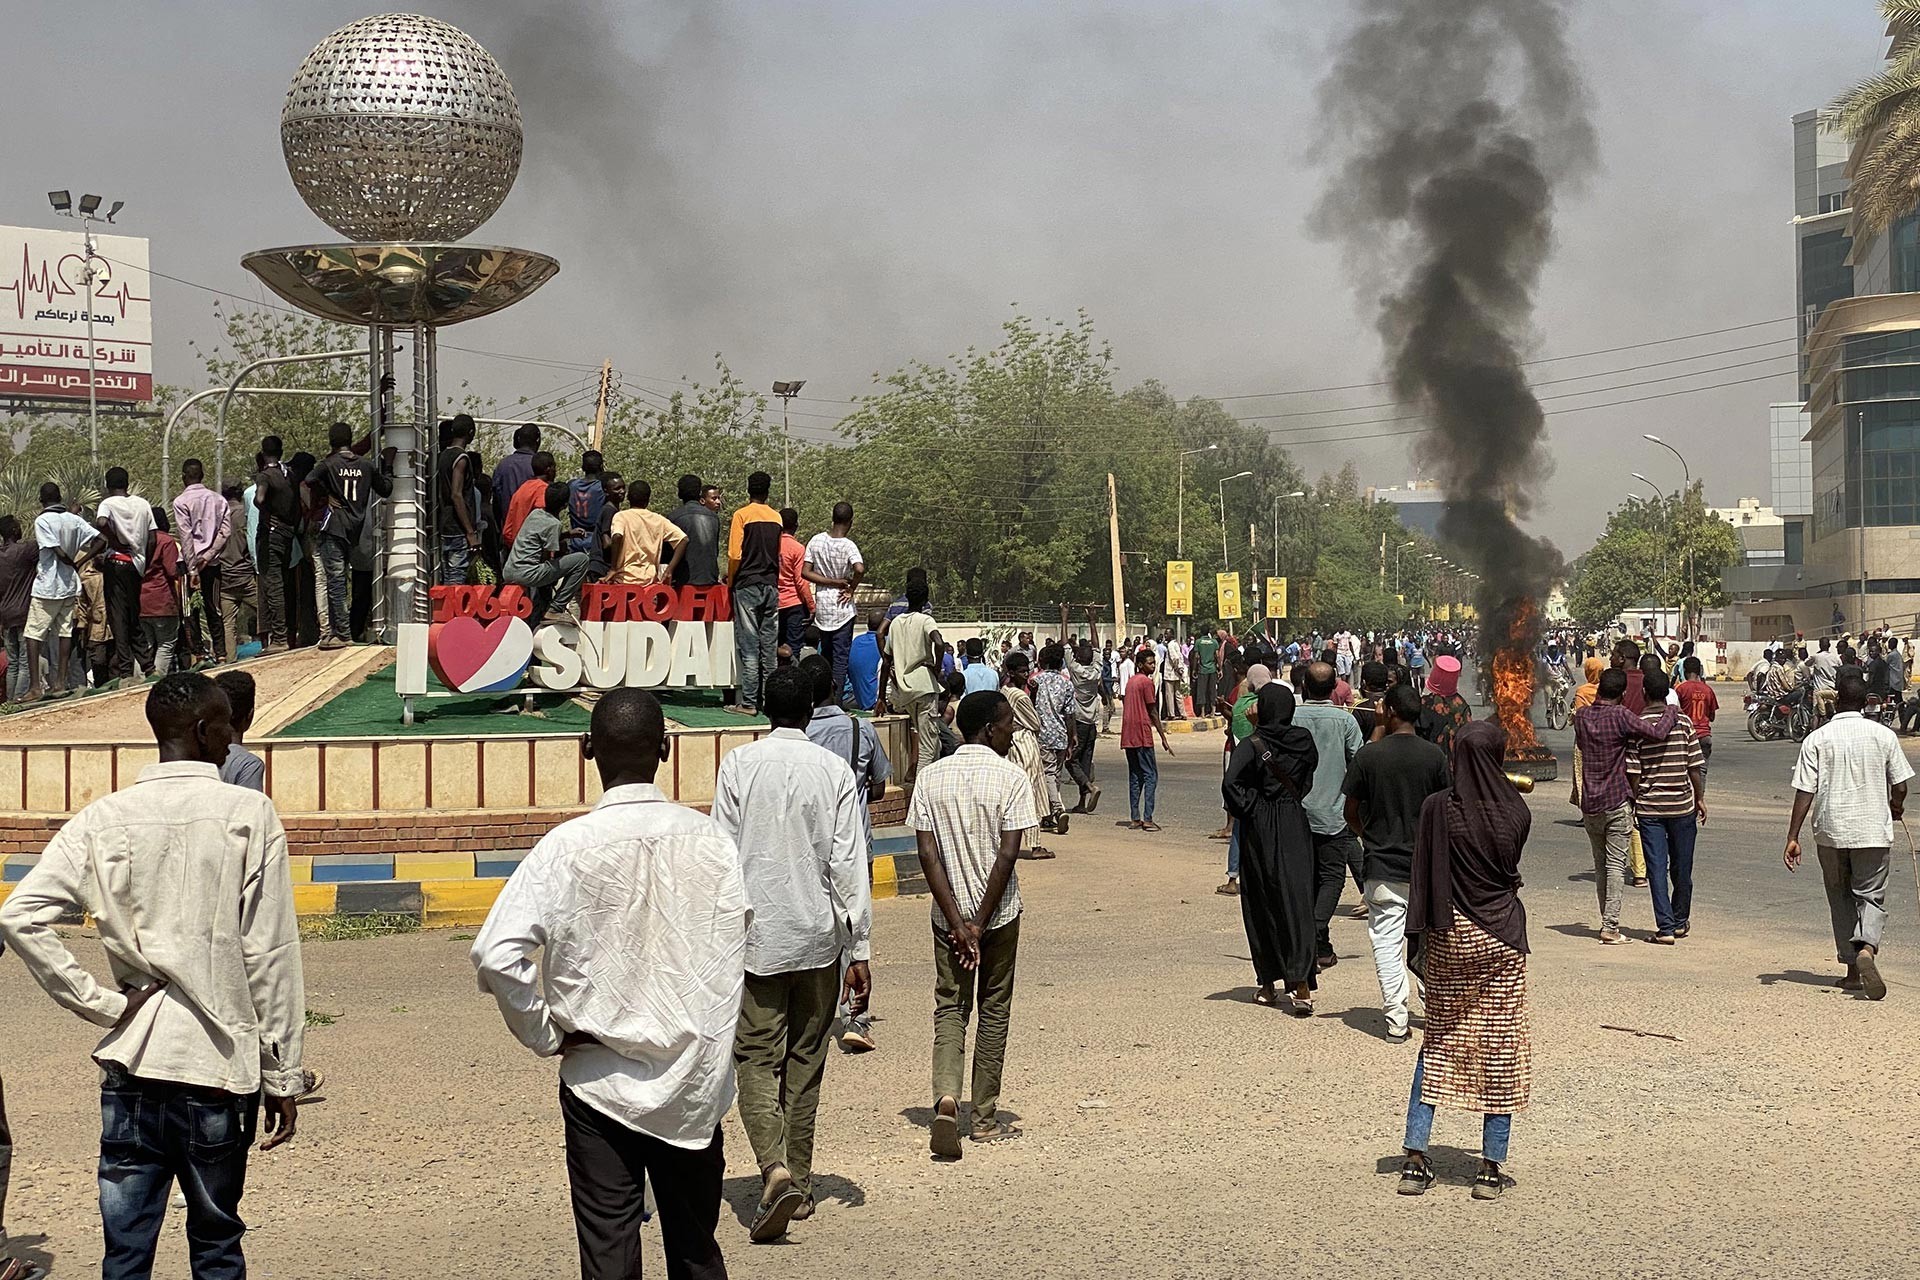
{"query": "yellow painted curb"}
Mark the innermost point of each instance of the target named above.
(458, 902)
(315, 899)
(886, 878)
(432, 866)
(1204, 724)
(301, 866)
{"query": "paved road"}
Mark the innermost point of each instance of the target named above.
(1173, 1129)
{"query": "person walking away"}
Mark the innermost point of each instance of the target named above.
(537, 564)
(586, 496)
(1053, 699)
(970, 813)
(337, 494)
(1110, 686)
(530, 497)
(1476, 1049)
(1417, 665)
(753, 568)
(698, 516)
(651, 891)
(1669, 780)
(635, 539)
(979, 674)
(793, 809)
(1139, 722)
(1852, 776)
(202, 517)
(127, 524)
(1337, 851)
(1206, 672)
(795, 594)
(1699, 704)
(1267, 777)
(206, 1010)
(160, 602)
(237, 578)
(855, 742)
(838, 568)
(1386, 788)
(1442, 710)
(1824, 666)
(456, 521)
(18, 560)
(1026, 750)
(1083, 725)
(1584, 696)
(1602, 733)
(863, 666)
(911, 645)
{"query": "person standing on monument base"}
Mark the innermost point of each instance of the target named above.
(753, 571)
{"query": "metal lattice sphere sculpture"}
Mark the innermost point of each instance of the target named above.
(401, 128)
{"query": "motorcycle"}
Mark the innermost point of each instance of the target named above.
(1772, 719)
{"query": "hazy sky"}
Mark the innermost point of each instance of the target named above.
(824, 190)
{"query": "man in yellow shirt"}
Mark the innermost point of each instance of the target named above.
(634, 542)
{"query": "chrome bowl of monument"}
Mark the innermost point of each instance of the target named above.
(401, 284)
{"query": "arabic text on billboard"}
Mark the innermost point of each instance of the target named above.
(43, 316)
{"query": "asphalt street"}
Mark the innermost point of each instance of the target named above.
(1171, 1127)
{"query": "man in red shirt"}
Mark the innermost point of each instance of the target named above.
(1698, 704)
(160, 600)
(795, 585)
(1139, 721)
(530, 496)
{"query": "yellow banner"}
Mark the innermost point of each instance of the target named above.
(1180, 588)
(1227, 586)
(1276, 597)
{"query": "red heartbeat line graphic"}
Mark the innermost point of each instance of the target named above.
(48, 282)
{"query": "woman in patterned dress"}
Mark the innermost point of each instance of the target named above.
(1476, 1053)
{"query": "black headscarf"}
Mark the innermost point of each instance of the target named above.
(1279, 749)
(1466, 851)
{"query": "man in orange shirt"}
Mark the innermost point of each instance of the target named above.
(795, 589)
(753, 567)
(634, 542)
(530, 496)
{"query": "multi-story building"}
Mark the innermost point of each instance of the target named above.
(1420, 504)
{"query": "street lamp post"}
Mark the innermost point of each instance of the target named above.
(1224, 561)
(87, 214)
(1396, 562)
(1180, 502)
(1686, 473)
(787, 391)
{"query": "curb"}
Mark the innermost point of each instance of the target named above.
(1198, 724)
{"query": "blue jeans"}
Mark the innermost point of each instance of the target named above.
(1143, 778)
(1668, 843)
(756, 631)
(152, 1133)
(1495, 1131)
(333, 564)
(1233, 849)
(455, 557)
(836, 647)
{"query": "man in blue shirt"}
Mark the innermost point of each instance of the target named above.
(863, 665)
(1336, 849)
(980, 675)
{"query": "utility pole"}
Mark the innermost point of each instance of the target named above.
(1119, 587)
(600, 407)
(787, 391)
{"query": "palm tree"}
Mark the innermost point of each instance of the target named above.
(1881, 117)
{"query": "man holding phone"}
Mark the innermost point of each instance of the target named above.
(207, 1007)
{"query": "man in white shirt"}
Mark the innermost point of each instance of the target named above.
(127, 523)
(64, 540)
(970, 812)
(1853, 775)
(1823, 666)
(912, 645)
(639, 909)
(187, 881)
(793, 809)
(833, 555)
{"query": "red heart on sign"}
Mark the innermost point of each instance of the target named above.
(469, 655)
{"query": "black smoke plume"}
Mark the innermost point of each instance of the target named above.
(1453, 123)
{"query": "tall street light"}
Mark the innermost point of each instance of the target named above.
(1634, 497)
(87, 214)
(1686, 493)
(787, 391)
(1396, 562)
(1224, 562)
(1180, 502)
(1297, 493)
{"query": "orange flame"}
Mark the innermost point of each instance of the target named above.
(1513, 683)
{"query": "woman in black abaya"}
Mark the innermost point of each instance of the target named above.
(1268, 775)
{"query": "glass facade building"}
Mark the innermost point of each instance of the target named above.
(1868, 471)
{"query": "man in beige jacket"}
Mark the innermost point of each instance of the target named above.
(188, 882)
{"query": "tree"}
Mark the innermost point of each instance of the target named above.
(1669, 550)
(1881, 117)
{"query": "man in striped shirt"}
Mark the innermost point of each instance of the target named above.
(1669, 803)
(1602, 732)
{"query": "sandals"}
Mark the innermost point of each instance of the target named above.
(1266, 996)
(1039, 853)
(1301, 1007)
(1149, 826)
(1416, 1175)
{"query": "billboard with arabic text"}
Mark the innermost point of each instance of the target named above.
(43, 316)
